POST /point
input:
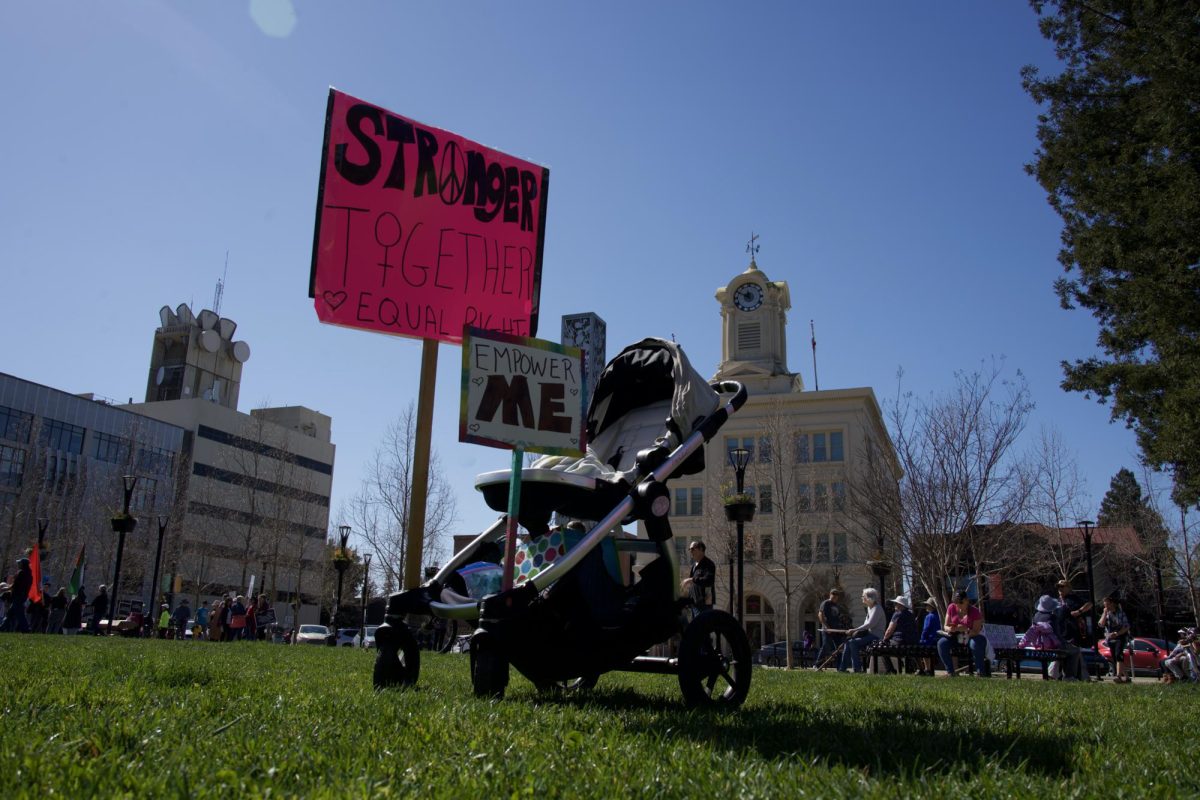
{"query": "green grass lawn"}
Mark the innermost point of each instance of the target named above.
(83, 717)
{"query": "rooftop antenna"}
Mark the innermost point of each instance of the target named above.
(816, 381)
(220, 290)
(752, 248)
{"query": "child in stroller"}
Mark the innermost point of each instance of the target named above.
(573, 612)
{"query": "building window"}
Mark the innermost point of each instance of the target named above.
(764, 450)
(767, 548)
(144, 495)
(155, 460)
(804, 548)
(697, 501)
(15, 425)
(749, 336)
(822, 548)
(803, 498)
(12, 465)
(841, 549)
(839, 495)
(113, 449)
(819, 447)
(681, 502)
(820, 497)
(732, 443)
(765, 505)
(62, 436)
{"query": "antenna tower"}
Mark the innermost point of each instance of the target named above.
(220, 290)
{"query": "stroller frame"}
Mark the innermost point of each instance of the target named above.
(547, 627)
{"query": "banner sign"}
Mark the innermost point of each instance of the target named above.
(522, 393)
(421, 232)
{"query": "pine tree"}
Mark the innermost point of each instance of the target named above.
(1119, 158)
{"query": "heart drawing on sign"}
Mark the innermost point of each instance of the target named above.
(574, 392)
(474, 426)
(477, 381)
(334, 299)
(574, 441)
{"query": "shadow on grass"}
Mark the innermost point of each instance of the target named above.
(907, 742)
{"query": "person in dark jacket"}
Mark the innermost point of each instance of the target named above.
(73, 621)
(99, 609)
(179, 620)
(700, 583)
(58, 611)
(22, 583)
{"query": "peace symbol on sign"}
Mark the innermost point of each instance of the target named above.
(453, 172)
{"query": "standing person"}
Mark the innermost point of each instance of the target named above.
(833, 623)
(700, 584)
(929, 635)
(264, 616)
(1076, 611)
(250, 632)
(201, 621)
(964, 621)
(216, 627)
(164, 621)
(73, 621)
(871, 630)
(99, 609)
(237, 619)
(5, 600)
(58, 611)
(183, 613)
(1116, 633)
(21, 585)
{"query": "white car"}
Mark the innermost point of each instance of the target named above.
(369, 638)
(312, 634)
(348, 637)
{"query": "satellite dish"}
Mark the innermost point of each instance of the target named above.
(210, 341)
(167, 316)
(226, 327)
(241, 352)
(185, 314)
(159, 376)
(208, 320)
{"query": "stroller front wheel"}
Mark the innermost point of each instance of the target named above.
(489, 667)
(714, 661)
(397, 658)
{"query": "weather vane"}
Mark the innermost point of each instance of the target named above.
(751, 246)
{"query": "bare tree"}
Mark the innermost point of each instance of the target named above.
(1057, 500)
(380, 511)
(960, 472)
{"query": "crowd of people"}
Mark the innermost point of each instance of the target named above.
(1060, 623)
(230, 618)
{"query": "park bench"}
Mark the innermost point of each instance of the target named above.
(904, 653)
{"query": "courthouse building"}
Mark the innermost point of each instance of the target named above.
(806, 447)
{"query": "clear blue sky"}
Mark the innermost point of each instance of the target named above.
(877, 148)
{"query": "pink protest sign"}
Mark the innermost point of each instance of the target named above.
(421, 232)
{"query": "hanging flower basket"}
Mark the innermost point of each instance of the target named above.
(739, 511)
(123, 523)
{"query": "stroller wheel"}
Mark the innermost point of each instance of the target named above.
(714, 661)
(580, 684)
(489, 667)
(397, 658)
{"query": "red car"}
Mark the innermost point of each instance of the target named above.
(1146, 653)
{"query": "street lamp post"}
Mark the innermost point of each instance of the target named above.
(739, 457)
(1087, 549)
(121, 525)
(362, 631)
(163, 519)
(341, 562)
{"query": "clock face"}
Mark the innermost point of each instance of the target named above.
(748, 297)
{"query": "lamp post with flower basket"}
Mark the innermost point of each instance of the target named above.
(341, 562)
(122, 524)
(739, 508)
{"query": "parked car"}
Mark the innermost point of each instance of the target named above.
(1146, 653)
(312, 634)
(369, 637)
(775, 654)
(348, 637)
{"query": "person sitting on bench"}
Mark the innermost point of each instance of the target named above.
(963, 621)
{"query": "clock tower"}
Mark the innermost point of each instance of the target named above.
(754, 332)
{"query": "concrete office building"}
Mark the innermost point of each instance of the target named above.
(255, 488)
(61, 461)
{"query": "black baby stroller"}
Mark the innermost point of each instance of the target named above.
(576, 610)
